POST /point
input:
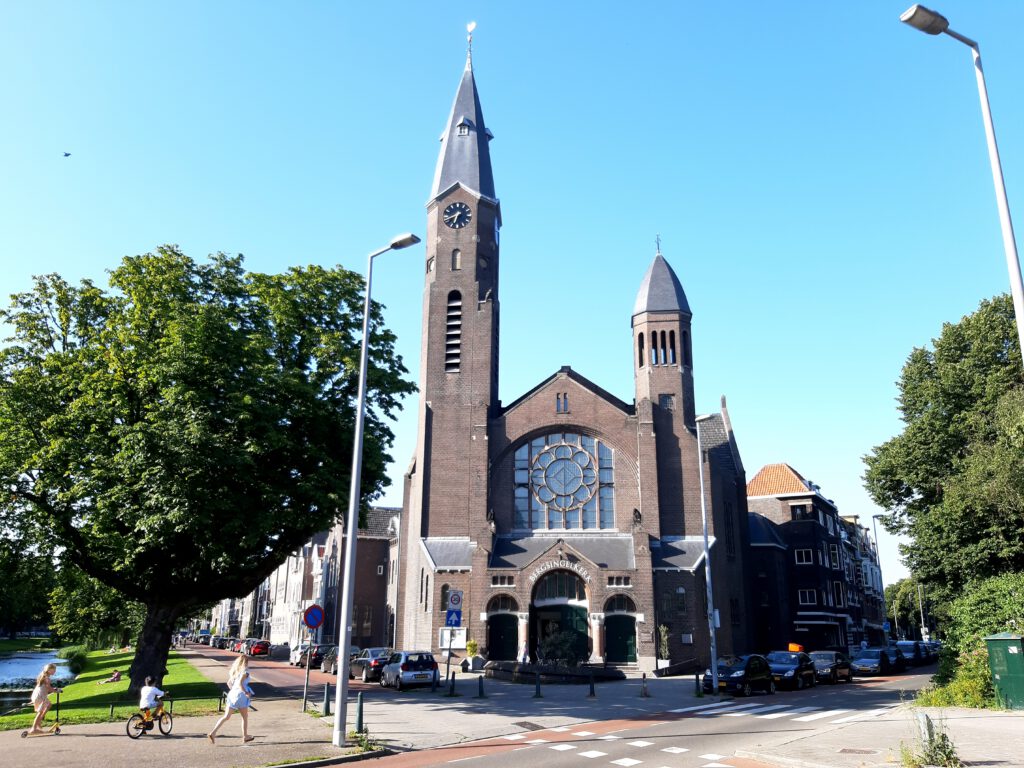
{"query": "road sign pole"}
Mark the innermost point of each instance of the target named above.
(309, 654)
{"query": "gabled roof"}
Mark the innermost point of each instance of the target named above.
(378, 522)
(777, 480)
(583, 381)
(684, 554)
(450, 554)
(661, 290)
(465, 157)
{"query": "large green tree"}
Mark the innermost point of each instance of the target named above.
(184, 430)
(953, 480)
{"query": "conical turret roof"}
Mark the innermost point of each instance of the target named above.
(661, 290)
(465, 156)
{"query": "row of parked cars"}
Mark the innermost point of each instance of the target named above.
(250, 646)
(395, 669)
(743, 675)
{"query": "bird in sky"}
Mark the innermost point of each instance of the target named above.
(67, 154)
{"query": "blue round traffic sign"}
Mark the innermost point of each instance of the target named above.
(313, 617)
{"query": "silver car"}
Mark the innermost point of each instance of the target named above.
(405, 669)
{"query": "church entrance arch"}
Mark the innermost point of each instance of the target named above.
(558, 617)
(620, 630)
(502, 628)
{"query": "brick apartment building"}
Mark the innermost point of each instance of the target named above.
(568, 509)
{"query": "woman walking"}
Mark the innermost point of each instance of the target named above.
(41, 697)
(239, 696)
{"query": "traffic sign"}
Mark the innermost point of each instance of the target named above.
(313, 617)
(885, 626)
(453, 618)
(454, 600)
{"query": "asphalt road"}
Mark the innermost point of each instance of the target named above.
(699, 735)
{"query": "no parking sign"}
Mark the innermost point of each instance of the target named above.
(313, 617)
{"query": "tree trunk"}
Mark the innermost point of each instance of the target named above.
(153, 645)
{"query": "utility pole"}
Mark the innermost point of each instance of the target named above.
(920, 608)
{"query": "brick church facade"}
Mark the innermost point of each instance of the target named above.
(567, 510)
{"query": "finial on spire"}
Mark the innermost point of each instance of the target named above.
(469, 43)
(657, 241)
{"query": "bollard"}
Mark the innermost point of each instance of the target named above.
(220, 703)
(434, 682)
(327, 700)
(451, 684)
(480, 688)
(696, 684)
(536, 690)
(643, 686)
(592, 693)
(111, 710)
(359, 713)
(172, 706)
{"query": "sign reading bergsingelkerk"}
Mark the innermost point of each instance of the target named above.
(559, 564)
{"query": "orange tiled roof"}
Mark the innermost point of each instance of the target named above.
(775, 480)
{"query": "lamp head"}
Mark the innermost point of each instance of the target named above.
(925, 20)
(403, 241)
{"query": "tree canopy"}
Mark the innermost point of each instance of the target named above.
(183, 431)
(953, 480)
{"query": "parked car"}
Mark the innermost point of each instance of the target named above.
(296, 653)
(872, 661)
(238, 645)
(260, 648)
(204, 640)
(914, 653)
(832, 666)
(741, 675)
(329, 663)
(226, 643)
(368, 664)
(405, 669)
(897, 658)
(792, 668)
(315, 652)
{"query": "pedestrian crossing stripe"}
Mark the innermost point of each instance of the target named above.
(775, 715)
(758, 712)
(820, 715)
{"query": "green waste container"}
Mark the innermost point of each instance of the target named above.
(1006, 662)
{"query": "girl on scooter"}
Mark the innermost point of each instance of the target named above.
(41, 697)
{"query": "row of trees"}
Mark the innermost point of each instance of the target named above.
(174, 436)
(953, 482)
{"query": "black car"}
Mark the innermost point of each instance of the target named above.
(792, 668)
(741, 675)
(913, 651)
(832, 666)
(368, 664)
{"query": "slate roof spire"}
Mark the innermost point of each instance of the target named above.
(661, 290)
(465, 156)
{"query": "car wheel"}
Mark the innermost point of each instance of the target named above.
(771, 687)
(813, 681)
(366, 675)
(382, 681)
(398, 683)
(799, 683)
(746, 690)
(835, 677)
(351, 674)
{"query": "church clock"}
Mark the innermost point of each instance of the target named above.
(457, 215)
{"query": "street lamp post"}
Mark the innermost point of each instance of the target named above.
(707, 568)
(345, 625)
(933, 23)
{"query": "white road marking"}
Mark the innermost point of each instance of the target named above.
(537, 741)
(869, 713)
(716, 765)
(514, 737)
(582, 733)
(627, 762)
(675, 750)
(733, 708)
(774, 715)
(560, 729)
(820, 715)
(640, 743)
(562, 747)
(712, 756)
(760, 711)
(593, 753)
(700, 707)
(608, 737)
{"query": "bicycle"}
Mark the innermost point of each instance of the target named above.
(141, 722)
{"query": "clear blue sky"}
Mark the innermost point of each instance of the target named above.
(817, 173)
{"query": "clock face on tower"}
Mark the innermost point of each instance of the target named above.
(457, 215)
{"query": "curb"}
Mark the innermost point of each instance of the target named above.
(352, 758)
(784, 762)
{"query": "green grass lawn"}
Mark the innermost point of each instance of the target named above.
(86, 701)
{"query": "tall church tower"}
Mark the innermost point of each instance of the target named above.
(446, 489)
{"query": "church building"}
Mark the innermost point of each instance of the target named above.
(567, 512)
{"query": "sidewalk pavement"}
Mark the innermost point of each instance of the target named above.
(420, 719)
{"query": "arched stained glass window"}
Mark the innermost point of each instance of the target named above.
(558, 585)
(564, 481)
(619, 604)
(502, 604)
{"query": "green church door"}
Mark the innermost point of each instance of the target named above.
(502, 637)
(620, 639)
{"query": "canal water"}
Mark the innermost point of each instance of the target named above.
(18, 672)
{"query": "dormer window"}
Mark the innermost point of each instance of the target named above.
(462, 127)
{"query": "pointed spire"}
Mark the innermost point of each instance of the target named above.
(465, 156)
(660, 290)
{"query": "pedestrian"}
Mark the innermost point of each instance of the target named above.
(863, 644)
(41, 697)
(239, 697)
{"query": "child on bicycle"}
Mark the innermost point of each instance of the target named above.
(148, 697)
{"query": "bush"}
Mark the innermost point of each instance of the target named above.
(75, 655)
(986, 607)
(472, 647)
(970, 685)
(560, 648)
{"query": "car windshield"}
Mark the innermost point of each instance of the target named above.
(730, 661)
(871, 653)
(781, 657)
(823, 656)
